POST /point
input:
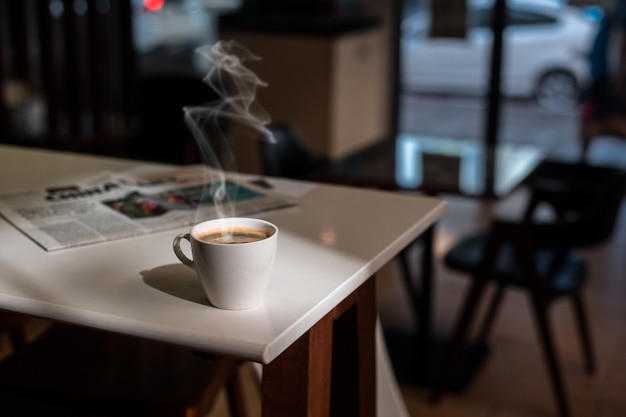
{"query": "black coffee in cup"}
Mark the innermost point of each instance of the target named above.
(234, 235)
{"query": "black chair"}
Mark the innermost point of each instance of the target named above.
(539, 257)
(288, 155)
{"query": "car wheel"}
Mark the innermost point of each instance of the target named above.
(557, 91)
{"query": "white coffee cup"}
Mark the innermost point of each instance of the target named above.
(233, 257)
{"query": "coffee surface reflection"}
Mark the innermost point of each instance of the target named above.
(234, 235)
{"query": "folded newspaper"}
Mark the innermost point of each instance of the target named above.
(116, 205)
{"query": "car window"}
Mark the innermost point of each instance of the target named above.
(481, 18)
(524, 17)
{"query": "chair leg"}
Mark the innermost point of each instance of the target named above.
(462, 327)
(496, 300)
(547, 344)
(539, 304)
(236, 396)
(584, 333)
(226, 376)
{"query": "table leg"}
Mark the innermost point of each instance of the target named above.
(417, 355)
(425, 308)
(421, 297)
(331, 369)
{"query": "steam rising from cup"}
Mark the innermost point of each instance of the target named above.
(236, 88)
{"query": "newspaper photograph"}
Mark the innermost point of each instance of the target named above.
(119, 205)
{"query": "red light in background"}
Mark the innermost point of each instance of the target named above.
(153, 5)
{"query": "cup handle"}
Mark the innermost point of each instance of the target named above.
(178, 251)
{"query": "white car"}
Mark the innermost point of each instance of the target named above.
(546, 44)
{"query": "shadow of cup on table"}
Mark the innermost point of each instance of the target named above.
(176, 280)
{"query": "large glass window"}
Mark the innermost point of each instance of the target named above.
(545, 68)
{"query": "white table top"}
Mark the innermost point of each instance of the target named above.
(329, 244)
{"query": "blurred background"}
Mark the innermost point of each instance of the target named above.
(425, 68)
